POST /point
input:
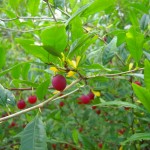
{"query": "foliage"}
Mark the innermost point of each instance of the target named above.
(99, 46)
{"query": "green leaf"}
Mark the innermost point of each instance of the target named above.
(15, 72)
(109, 51)
(76, 28)
(87, 143)
(35, 50)
(97, 6)
(25, 71)
(6, 97)
(147, 54)
(147, 74)
(137, 137)
(133, 18)
(11, 68)
(75, 136)
(54, 39)
(140, 6)
(144, 21)
(14, 4)
(77, 13)
(16, 81)
(34, 136)
(2, 57)
(52, 51)
(143, 95)
(42, 89)
(33, 6)
(59, 3)
(120, 104)
(134, 41)
(78, 43)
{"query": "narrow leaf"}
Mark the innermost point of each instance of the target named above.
(134, 41)
(97, 6)
(34, 136)
(137, 137)
(42, 89)
(2, 57)
(147, 74)
(120, 104)
(33, 6)
(109, 51)
(59, 3)
(143, 94)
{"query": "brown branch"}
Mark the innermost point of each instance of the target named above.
(24, 89)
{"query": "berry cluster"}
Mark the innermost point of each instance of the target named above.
(86, 99)
(21, 104)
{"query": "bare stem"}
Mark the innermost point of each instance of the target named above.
(116, 74)
(50, 9)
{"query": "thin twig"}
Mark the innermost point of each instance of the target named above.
(16, 30)
(116, 74)
(51, 11)
(24, 89)
(26, 18)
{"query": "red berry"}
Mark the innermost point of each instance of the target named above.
(85, 99)
(91, 95)
(98, 112)
(21, 104)
(54, 146)
(13, 124)
(32, 99)
(121, 131)
(100, 145)
(59, 82)
(138, 83)
(80, 129)
(66, 146)
(61, 104)
(105, 39)
(126, 108)
(94, 107)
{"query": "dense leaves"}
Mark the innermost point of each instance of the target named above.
(101, 48)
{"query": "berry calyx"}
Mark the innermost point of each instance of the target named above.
(32, 99)
(61, 104)
(59, 82)
(21, 104)
(137, 82)
(85, 99)
(91, 95)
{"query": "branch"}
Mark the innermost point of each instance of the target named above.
(43, 103)
(116, 74)
(50, 9)
(26, 18)
(24, 89)
(16, 30)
